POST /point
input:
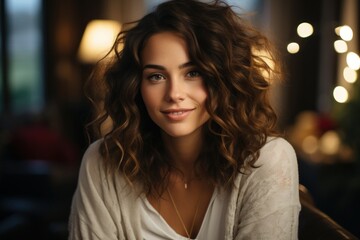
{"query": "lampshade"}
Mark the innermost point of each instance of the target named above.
(98, 38)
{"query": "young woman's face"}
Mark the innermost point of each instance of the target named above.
(172, 88)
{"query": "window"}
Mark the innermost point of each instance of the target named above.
(21, 36)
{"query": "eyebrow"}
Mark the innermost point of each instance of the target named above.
(160, 67)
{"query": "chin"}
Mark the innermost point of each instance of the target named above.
(175, 134)
(178, 132)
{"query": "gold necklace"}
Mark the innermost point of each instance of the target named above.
(187, 181)
(180, 218)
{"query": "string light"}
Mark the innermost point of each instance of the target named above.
(340, 46)
(350, 75)
(346, 33)
(293, 47)
(353, 60)
(340, 94)
(305, 30)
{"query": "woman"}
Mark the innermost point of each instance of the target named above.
(192, 152)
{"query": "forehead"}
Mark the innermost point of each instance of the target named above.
(163, 47)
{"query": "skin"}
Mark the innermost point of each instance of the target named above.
(174, 95)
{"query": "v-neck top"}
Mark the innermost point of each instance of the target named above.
(262, 204)
(154, 226)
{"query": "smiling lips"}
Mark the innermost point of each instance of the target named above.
(177, 114)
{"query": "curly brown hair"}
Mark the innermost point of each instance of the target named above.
(225, 50)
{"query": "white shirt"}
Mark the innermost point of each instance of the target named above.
(154, 226)
(263, 204)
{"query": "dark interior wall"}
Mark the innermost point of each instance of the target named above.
(64, 24)
(311, 73)
(65, 21)
(305, 71)
(301, 68)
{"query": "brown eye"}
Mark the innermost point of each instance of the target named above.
(155, 77)
(193, 74)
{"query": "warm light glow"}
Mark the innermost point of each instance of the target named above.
(98, 38)
(268, 60)
(305, 30)
(330, 143)
(337, 31)
(340, 94)
(310, 144)
(353, 60)
(350, 75)
(293, 47)
(340, 46)
(346, 33)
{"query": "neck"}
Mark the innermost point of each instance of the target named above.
(184, 151)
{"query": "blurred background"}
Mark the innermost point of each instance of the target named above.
(46, 57)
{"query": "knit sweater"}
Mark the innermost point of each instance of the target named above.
(264, 203)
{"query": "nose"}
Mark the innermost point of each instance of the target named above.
(175, 90)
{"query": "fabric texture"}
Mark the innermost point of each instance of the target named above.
(264, 203)
(154, 225)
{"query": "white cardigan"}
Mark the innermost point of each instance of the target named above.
(263, 204)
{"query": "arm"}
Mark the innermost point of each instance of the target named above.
(90, 217)
(268, 206)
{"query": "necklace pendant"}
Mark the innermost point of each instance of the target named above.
(185, 185)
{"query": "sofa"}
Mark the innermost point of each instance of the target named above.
(315, 224)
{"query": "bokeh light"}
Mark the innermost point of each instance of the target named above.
(310, 144)
(346, 33)
(330, 143)
(340, 94)
(353, 60)
(293, 47)
(340, 46)
(350, 75)
(305, 30)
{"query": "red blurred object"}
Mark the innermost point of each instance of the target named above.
(38, 142)
(325, 123)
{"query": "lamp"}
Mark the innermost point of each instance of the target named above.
(98, 38)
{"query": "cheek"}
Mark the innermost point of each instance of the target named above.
(202, 95)
(201, 99)
(151, 98)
